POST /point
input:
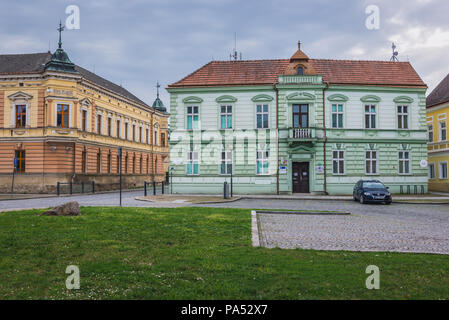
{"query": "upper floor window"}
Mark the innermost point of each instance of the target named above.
(134, 132)
(84, 120)
(337, 116)
(262, 162)
(300, 115)
(300, 71)
(118, 128)
(262, 116)
(404, 162)
(62, 115)
(99, 124)
(443, 135)
(442, 170)
(163, 139)
(370, 116)
(126, 130)
(431, 171)
(140, 134)
(147, 135)
(430, 132)
(226, 162)
(371, 162)
(156, 133)
(109, 126)
(338, 162)
(402, 117)
(192, 117)
(21, 116)
(226, 117)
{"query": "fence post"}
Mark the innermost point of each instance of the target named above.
(82, 187)
(415, 189)
(58, 191)
(71, 190)
(145, 188)
(93, 186)
(154, 187)
(422, 189)
(162, 187)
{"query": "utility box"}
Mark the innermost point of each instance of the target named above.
(226, 190)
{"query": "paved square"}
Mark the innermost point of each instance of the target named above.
(357, 232)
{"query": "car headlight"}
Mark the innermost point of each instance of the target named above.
(367, 193)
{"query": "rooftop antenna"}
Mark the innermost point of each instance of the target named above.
(234, 55)
(394, 57)
(157, 88)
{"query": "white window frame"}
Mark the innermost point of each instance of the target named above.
(192, 114)
(403, 161)
(155, 137)
(262, 113)
(430, 136)
(227, 160)
(118, 130)
(403, 115)
(227, 114)
(337, 113)
(338, 159)
(440, 122)
(440, 171)
(371, 159)
(192, 158)
(431, 165)
(263, 156)
(370, 114)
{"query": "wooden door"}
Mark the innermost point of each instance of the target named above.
(300, 177)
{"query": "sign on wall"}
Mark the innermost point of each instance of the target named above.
(319, 169)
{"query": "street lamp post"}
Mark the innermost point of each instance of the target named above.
(171, 179)
(120, 171)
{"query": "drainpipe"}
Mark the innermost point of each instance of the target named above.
(325, 137)
(277, 139)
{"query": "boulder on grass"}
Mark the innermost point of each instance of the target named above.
(66, 209)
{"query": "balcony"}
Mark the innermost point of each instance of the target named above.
(296, 79)
(301, 134)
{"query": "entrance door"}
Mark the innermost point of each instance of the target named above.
(300, 177)
(300, 115)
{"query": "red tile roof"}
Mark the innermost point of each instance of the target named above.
(263, 72)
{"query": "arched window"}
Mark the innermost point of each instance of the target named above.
(300, 71)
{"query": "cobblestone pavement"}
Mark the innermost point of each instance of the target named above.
(398, 227)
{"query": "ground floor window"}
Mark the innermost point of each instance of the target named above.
(109, 163)
(20, 162)
(338, 162)
(371, 162)
(99, 162)
(431, 171)
(118, 164)
(442, 170)
(404, 162)
(192, 162)
(84, 161)
(262, 162)
(226, 162)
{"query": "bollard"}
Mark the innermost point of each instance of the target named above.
(225, 190)
(71, 188)
(145, 188)
(82, 187)
(93, 186)
(415, 189)
(58, 190)
(162, 187)
(154, 187)
(408, 189)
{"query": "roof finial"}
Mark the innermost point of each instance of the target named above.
(394, 57)
(60, 29)
(299, 44)
(157, 88)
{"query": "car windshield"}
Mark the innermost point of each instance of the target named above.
(373, 185)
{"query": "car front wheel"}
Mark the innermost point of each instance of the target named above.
(362, 201)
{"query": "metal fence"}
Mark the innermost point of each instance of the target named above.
(71, 188)
(154, 188)
(407, 189)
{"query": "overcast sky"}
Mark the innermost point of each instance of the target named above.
(137, 42)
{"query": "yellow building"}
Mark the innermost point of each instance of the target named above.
(437, 121)
(63, 123)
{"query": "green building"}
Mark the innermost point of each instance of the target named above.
(298, 125)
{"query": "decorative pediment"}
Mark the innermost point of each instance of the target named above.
(85, 102)
(301, 96)
(262, 98)
(301, 148)
(192, 99)
(370, 98)
(226, 98)
(403, 99)
(20, 95)
(338, 97)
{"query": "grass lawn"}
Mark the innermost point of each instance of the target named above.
(191, 253)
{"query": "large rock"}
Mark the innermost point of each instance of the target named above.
(66, 209)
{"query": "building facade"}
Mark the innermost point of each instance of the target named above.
(437, 121)
(298, 125)
(63, 123)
